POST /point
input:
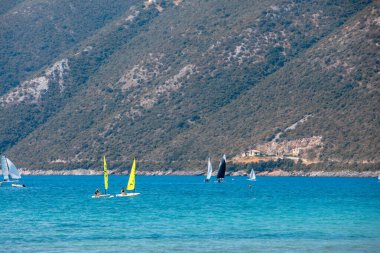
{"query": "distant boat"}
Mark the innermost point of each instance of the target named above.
(209, 170)
(252, 176)
(378, 177)
(131, 183)
(105, 173)
(9, 171)
(18, 185)
(222, 170)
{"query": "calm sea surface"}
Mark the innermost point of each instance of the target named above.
(183, 214)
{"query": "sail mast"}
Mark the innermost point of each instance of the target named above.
(132, 177)
(105, 174)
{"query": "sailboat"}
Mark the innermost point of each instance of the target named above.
(209, 171)
(105, 173)
(252, 176)
(222, 170)
(378, 177)
(10, 172)
(131, 183)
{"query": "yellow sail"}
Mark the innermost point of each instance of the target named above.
(105, 173)
(132, 176)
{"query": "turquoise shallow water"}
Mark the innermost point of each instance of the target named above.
(183, 214)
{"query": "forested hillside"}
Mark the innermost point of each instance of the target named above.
(173, 82)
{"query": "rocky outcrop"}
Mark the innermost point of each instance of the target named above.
(32, 90)
(293, 147)
(142, 93)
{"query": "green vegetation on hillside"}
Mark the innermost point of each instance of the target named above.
(34, 33)
(205, 78)
(83, 64)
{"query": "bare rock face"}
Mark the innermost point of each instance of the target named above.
(32, 90)
(293, 147)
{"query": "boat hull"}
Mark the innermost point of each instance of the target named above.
(18, 185)
(8, 183)
(102, 196)
(132, 194)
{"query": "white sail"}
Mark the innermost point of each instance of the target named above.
(252, 175)
(209, 169)
(13, 172)
(378, 177)
(4, 168)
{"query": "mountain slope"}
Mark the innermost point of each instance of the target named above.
(40, 97)
(190, 84)
(34, 33)
(338, 92)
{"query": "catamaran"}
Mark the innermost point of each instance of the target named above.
(252, 176)
(105, 170)
(10, 172)
(209, 170)
(222, 170)
(131, 183)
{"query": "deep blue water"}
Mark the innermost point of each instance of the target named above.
(183, 214)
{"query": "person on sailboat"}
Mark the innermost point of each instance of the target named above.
(97, 192)
(122, 192)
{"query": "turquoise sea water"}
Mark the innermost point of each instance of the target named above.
(183, 214)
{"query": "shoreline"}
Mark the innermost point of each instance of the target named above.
(273, 173)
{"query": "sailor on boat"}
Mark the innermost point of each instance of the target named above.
(131, 183)
(98, 194)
